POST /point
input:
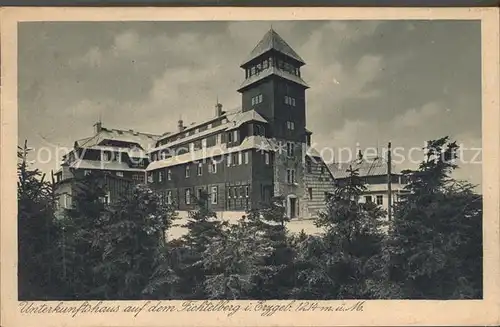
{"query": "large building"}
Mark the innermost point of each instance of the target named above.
(241, 158)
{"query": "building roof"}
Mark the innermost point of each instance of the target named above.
(244, 117)
(273, 41)
(272, 71)
(144, 140)
(365, 167)
(234, 120)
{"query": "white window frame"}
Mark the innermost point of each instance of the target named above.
(187, 196)
(229, 160)
(204, 143)
(187, 171)
(260, 98)
(247, 157)
(381, 197)
(169, 175)
(235, 136)
(199, 169)
(213, 164)
(240, 158)
(214, 194)
(160, 176)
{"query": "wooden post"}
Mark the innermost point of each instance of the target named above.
(389, 180)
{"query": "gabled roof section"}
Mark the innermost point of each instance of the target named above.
(144, 140)
(273, 41)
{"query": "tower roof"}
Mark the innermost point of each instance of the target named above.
(273, 41)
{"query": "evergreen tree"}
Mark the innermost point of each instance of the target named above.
(346, 258)
(435, 245)
(235, 255)
(276, 276)
(131, 242)
(83, 224)
(38, 232)
(203, 227)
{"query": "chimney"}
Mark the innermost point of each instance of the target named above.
(180, 125)
(98, 127)
(218, 110)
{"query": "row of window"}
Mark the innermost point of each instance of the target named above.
(193, 131)
(271, 62)
(233, 159)
(238, 192)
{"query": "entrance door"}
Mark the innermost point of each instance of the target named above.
(293, 207)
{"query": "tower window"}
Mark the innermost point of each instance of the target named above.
(290, 125)
(257, 99)
(289, 101)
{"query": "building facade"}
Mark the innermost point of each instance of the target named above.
(374, 174)
(241, 159)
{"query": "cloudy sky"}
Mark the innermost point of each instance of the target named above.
(371, 81)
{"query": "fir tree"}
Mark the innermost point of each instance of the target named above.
(435, 245)
(38, 232)
(203, 227)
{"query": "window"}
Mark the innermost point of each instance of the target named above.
(229, 192)
(247, 191)
(290, 125)
(160, 176)
(187, 195)
(204, 143)
(169, 175)
(235, 136)
(265, 64)
(86, 172)
(310, 192)
(217, 139)
(290, 176)
(368, 198)
(200, 193)
(247, 154)
(229, 157)
(229, 137)
(107, 156)
(169, 197)
(380, 200)
(289, 149)
(150, 177)
(212, 167)
(191, 147)
(187, 171)
(266, 158)
(257, 99)
(289, 101)
(200, 169)
(241, 191)
(240, 158)
(214, 195)
(106, 199)
(252, 71)
(163, 155)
